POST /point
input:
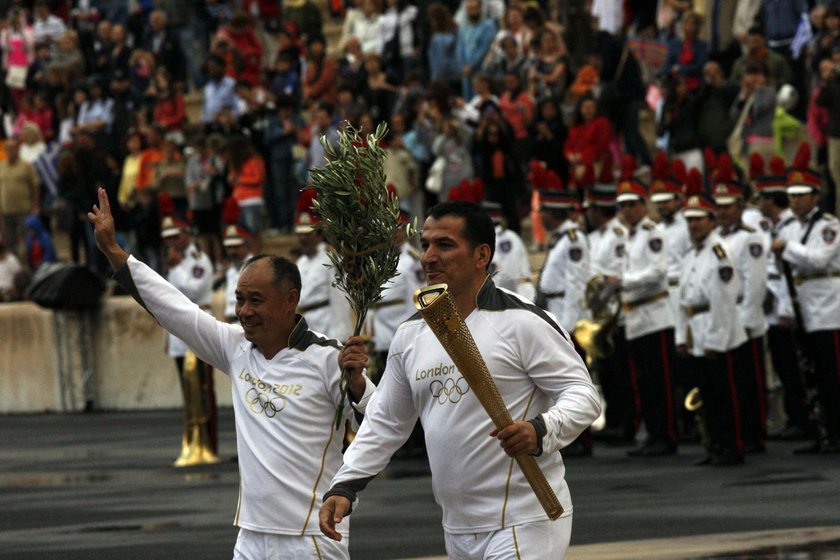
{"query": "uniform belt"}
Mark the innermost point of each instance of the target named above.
(800, 278)
(554, 295)
(389, 303)
(692, 310)
(630, 305)
(673, 282)
(313, 306)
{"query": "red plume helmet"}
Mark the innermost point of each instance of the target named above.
(552, 182)
(710, 160)
(694, 182)
(802, 159)
(756, 165)
(678, 171)
(777, 166)
(660, 166)
(628, 167)
(725, 172)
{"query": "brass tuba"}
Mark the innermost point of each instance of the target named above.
(595, 335)
(198, 442)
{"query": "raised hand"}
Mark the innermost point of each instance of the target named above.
(105, 232)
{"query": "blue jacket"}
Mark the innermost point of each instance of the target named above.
(38, 236)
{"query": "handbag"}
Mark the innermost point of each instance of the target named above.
(434, 181)
(16, 77)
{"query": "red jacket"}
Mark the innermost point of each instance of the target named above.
(591, 141)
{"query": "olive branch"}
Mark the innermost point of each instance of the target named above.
(360, 220)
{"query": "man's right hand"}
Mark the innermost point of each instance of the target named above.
(331, 514)
(105, 232)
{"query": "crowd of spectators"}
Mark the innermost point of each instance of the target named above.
(95, 92)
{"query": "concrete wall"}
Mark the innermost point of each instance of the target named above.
(132, 370)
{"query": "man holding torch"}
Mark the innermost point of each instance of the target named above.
(488, 506)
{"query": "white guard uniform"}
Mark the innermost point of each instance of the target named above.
(782, 305)
(749, 254)
(288, 447)
(644, 284)
(511, 264)
(193, 277)
(816, 268)
(325, 308)
(607, 251)
(709, 288)
(231, 280)
(679, 243)
(397, 302)
(565, 273)
(536, 370)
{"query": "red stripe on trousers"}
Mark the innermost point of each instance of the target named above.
(759, 383)
(669, 395)
(733, 395)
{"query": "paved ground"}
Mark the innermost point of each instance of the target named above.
(99, 486)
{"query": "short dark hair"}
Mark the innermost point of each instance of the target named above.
(478, 227)
(286, 273)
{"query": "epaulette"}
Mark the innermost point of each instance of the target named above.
(828, 216)
(195, 253)
(720, 253)
(748, 229)
(414, 253)
(572, 233)
(618, 232)
(648, 227)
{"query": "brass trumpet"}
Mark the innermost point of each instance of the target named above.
(197, 442)
(595, 335)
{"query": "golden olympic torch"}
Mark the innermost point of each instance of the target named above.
(437, 307)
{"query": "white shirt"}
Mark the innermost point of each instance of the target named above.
(367, 31)
(511, 266)
(325, 308)
(397, 302)
(193, 277)
(709, 279)
(749, 253)
(537, 371)
(645, 276)
(284, 407)
(565, 273)
(781, 303)
(819, 298)
(607, 251)
(388, 23)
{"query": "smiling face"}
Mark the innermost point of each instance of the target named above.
(449, 258)
(265, 311)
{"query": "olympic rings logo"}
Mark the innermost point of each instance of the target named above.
(449, 390)
(260, 403)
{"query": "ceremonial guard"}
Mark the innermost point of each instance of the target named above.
(511, 267)
(648, 318)
(748, 251)
(566, 269)
(324, 306)
(237, 244)
(778, 306)
(666, 193)
(607, 238)
(810, 246)
(708, 331)
(191, 272)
